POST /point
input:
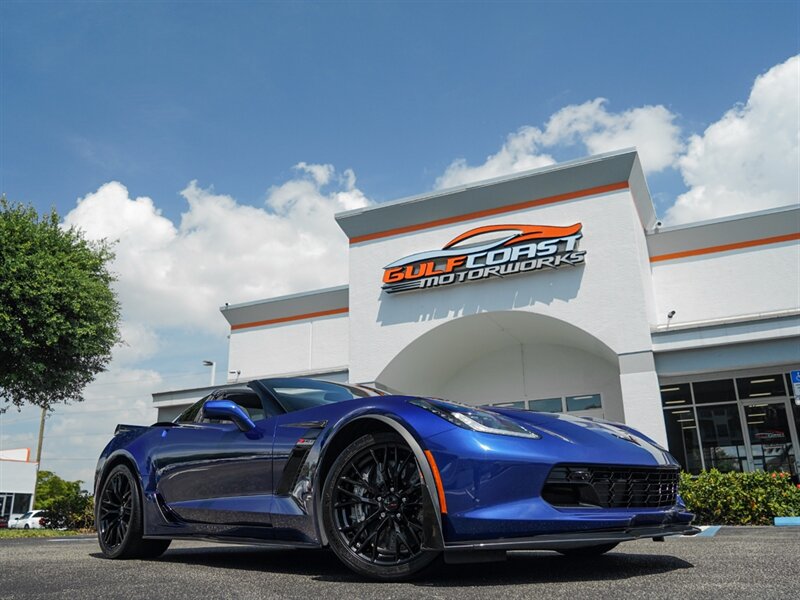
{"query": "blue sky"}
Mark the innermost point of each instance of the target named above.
(234, 94)
(285, 113)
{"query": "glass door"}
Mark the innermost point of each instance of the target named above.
(771, 435)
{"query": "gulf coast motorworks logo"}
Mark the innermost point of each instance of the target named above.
(488, 251)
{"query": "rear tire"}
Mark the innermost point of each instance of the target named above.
(587, 551)
(372, 509)
(119, 518)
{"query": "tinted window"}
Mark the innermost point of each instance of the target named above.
(762, 386)
(306, 393)
(22, 503)
(587, 402)
(721, 390)
(721, 436)
(684, 443)
(251, 404)
(190, 414)
(552, 405)
(519, 404)
(675, 394)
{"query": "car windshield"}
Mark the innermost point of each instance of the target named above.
(25, 516)
(297, 394)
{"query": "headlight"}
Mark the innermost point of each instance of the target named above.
(475, 419)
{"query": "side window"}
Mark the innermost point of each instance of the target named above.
(190, 414)
(250, 402)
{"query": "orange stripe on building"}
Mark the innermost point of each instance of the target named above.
(438, 481)
(312, 315)
(725, 247)
(622, 185)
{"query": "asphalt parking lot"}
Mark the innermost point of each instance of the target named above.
(736, 563)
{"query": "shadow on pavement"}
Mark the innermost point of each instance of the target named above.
(521, 567)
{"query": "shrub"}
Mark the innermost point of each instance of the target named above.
(75, 512)
(739, 498)
(65, 504)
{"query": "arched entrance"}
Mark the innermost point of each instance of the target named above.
(510, 356)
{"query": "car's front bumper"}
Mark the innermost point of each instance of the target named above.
(556, 541)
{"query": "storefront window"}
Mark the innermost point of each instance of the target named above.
(721, 436)
(770, 437)
(762, 386)
(552, 405)
(743, 424)
(675, 395)
(586, 402)
(721, 390)
(684, 443)
(22, 503)
(520, 404)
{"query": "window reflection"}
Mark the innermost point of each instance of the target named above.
(675, 395)
(586, 402)
(552, 405)
(684, 443)
(721, 390)
(721, 435)
(762, 386)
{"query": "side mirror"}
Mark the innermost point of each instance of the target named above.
(229, 411)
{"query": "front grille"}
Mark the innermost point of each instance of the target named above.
(611, 486)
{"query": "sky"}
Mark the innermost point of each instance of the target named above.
(214, 142)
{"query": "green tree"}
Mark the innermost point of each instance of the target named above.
(65, 503)
(59, 317)
(51, 489)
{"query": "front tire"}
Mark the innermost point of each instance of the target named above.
(587, 551)
(372, 509)
(119, 518)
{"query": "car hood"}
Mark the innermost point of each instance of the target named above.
(612, 439)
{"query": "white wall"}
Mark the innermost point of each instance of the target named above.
(748, 281)
(606, 297)
(533, 371)
(17, 476)
(295, 346)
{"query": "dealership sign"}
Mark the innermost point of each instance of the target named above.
(483, 252)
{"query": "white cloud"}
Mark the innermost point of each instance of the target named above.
(650, 128)
(221, 251)
(76, 434)
(81, 431)
(749, 159)
(176, 276)
(520, 152)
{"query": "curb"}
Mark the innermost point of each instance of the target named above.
(787, 521)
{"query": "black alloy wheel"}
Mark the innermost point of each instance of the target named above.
(115, 509)
(373, 508)
(119, 519)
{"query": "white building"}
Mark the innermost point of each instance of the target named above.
(557, 289)
(17, 482)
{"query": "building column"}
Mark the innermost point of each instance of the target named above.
(641, 396)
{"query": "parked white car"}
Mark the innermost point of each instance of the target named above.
(30, 520)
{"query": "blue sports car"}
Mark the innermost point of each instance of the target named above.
(390, 483)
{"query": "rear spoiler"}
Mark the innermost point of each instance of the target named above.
(121, 428)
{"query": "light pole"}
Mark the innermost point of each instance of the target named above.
(213, 365)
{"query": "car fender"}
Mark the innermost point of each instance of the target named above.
(114, 458)
(433, 538)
